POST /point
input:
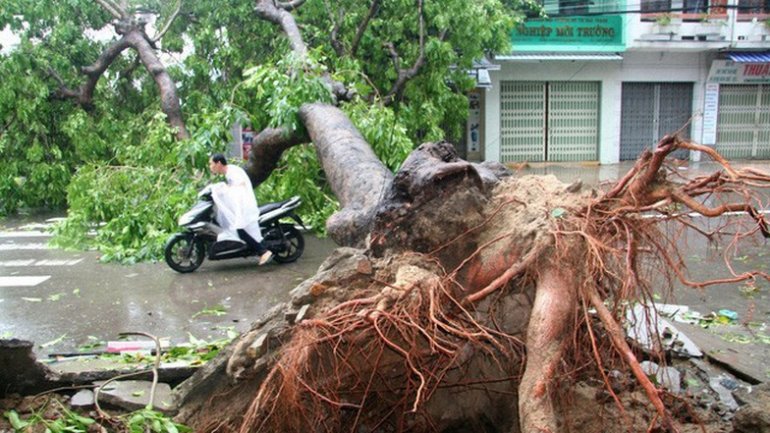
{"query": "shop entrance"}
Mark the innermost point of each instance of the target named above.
(743, 126)
(649, 112)
(549, 121)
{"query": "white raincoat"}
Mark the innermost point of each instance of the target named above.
(236, 204)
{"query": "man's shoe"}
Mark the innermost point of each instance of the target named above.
(265, 257)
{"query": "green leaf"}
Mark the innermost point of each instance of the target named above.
(559, 213)
(16, 422)
(53, 342)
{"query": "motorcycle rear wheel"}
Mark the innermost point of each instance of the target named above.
(294, 244)
(184, 253)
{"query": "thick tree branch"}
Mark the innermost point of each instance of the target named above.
(169, 100)
(113, 9)
(168, 22)
(133, 37)
(373, 7)
(268, 10)
(355, 174)
(266, 151)
(85, 93)
(337, 23)
(64, 91)
(404, 75)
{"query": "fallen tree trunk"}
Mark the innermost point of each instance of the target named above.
(357, 177)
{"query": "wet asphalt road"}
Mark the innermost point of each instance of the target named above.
(84, 301)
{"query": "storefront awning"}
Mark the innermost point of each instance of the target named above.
(570, 57)
(750, 57)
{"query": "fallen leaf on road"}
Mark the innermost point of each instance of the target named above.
(51, 343)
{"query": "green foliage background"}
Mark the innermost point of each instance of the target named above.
(116, 167)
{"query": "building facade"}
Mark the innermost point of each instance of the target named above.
(602, 80)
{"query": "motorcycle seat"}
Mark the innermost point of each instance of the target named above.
(265, 208)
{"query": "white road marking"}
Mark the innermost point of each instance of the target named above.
(32, 262)
(22, 281)
(58, 262)
(24, 234)
(13, 247)
(17, 263)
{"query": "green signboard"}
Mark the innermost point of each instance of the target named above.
(578, 33)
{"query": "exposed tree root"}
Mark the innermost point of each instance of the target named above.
(399, 347)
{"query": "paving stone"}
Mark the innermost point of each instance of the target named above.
(135, 395)
(83, 398)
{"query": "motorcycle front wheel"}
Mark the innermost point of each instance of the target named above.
(184, 253)
(293, 244)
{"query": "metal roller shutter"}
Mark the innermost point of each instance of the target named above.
(522, 121)
(649, 112)
(567, 131)
(637, 124)
(743, 127)
(573, 121)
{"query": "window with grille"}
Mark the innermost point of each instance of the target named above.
(652, 6)
(753, 7)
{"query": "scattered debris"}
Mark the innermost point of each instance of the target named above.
(753, 416)
(656, 334)
(83, 398)
(667, 377)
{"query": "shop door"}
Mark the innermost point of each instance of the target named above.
(649, 112)
(743, 125)
(549, 121)
(573, 121)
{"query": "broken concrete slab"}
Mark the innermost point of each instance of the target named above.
(84, 371)
(135, 394)
(654, 333)
(19, 370)
(748, 361)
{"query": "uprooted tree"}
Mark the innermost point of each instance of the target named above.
(476, 301)
(464, 299)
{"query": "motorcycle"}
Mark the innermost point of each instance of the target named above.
(204, 238)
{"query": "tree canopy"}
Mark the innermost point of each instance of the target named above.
(85, 88)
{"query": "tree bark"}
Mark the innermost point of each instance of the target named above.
(266, 151)
(169, 101)
(133, 36)
(355, 174)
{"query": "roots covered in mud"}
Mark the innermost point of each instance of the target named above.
(482, 299)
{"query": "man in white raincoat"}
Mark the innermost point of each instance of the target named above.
(236, 205)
